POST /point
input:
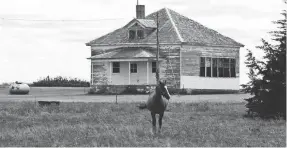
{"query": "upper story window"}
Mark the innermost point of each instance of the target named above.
(140, 34)
(136, 34)
(132, 34)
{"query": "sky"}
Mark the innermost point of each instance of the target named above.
(30, 50)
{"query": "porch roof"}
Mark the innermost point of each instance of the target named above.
(127, 53)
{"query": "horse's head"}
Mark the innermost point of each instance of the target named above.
(164, 90)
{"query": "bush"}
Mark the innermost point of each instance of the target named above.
(60, 82)
(130, 90)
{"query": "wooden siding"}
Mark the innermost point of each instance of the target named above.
(99, 73)
(170, 67)
(180, 63)
(190, 63)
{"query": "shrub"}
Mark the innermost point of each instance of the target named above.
(60, 82)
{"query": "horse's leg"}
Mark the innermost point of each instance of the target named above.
(153, 122)
(160, 120)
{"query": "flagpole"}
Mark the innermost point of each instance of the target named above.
(157, 53)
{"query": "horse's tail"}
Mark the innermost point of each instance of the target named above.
(142, 106)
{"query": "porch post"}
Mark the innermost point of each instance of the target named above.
(147, 72)
(111, 72)
(129, 71)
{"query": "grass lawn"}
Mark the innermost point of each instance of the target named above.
(107, 124)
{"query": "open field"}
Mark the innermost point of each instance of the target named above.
(50, 91)
(73, 94)
(123, 124)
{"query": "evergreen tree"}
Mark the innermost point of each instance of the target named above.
(268, 76)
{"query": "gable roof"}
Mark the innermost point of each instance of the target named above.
(147, 23)
(173, 28)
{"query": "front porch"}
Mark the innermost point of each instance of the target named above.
(124, 66)
(126, 72)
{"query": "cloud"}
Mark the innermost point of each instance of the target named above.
(235, 10)
(261, 5)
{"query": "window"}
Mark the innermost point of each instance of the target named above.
(116, 67)
(153, 67)
(226, 68)
(217, 67)
(208, 67)
(232, 67)
(134, 68)
(220, 67)
(214, 67)
(140, 34)
(136, 34)
(202, 66)
(132, 34)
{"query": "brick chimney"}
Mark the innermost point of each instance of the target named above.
(140, 11)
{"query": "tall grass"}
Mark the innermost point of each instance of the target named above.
(107, 124)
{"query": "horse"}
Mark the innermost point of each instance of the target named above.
(156, 104)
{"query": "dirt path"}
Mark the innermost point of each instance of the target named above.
(123, 98)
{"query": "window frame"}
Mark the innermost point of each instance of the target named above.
(134, 35)
(226, 67)
(115, 66)
(223, 68)
(208, 66)
(137, 34)
(133, 68)
(214, 67)
(233, 68)
(202, 71)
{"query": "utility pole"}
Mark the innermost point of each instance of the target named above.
(157, 53)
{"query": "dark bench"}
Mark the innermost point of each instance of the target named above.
(48, 103)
